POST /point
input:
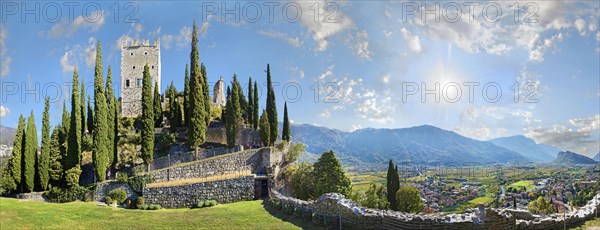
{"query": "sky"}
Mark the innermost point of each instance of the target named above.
(483, 70)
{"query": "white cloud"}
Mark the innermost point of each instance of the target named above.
(325, 114)
(297, 70)
(580, 26)
(294, 41)
(385, 78)
(68, 62)
(413, 42)
(355, 127)
(78, 54)
(138, 27)
(65, 29)
(4, 111)
(537, 54)
(319, 27)
(5, 60)
(361, 45)
(89, 52)
(580, 135)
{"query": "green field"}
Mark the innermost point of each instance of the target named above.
(19, 214)
(483, 199)
(524, 183)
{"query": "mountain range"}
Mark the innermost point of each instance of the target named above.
(570, 158)
(527, 147)
(7, 135)
(419, 144)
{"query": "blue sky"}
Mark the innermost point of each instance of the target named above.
(362, 59)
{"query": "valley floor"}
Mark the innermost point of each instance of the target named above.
(20, 214)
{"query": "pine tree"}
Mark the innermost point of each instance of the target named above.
(197, 125)
(16, 162)
(255, 109)
(207, 100)
(250, 103)
(264, 129)
(147, 118)
(286, 124)
(82, 103)
(271, 108)
(101, 146)
(111, 103)
(30, 154)
(158, 113)
(44, 158)
(74, 138)
(90, 116)
(186, 95)
(55, 172)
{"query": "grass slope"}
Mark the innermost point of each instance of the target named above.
(19, 214)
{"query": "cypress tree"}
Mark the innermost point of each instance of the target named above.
(147, 118)
(207, 100)
(265, 130)
(233, 113)
(250, 103)
(186, 95)
(55, 166)
(74, 138)
(393, 184)
(101, 146)
(255, 109)
(90, 116)
(30, 154)
(63, 135)
(44, 158)
(197, 125)
(174, 117)
(271, 108)
(115, 141)
(243, 104)
(16, 161)
(111, 103)
(158, 113)
(82, 103)
(286, 125)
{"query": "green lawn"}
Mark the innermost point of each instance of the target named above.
(524, 183)
(483, 199)
(19, 214)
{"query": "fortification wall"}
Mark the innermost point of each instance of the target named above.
(183, 157)
(330, 208)
(255, 160)
(187, 196)
(245, 137)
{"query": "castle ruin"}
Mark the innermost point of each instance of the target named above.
(134, 57)
(219, 93)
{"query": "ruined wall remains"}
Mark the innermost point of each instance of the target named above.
(187, 196)
(332, 209)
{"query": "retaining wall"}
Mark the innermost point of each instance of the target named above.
(187, 196)
(103, 188)
(183, 157)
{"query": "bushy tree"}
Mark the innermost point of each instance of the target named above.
(55, 172)
(329, 175)
(375, 197)
(255, 104)
(174, 115)
(271, 108)
(286, 136)
(295, 152)
(74, 138)
(44, 158)
(197, 124)
(409, 200)
(302, 182)
(392, 185)
(265, 129)
(102, 148)
(541, 206)
(30, 154)
(147, 118)
(158, 113)
(15, 163)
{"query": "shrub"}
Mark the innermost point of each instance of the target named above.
(154, 207)
(60, 195)
(140, 202)
(119, 195)
(144, 207)
(137, 183)
(109, 200)
(121, 177)
(87, 142)
(210, 203)
(200, 204)
(164, 142)
(72, 176)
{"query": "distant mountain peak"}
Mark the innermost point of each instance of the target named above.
(569, 158)
(527, 147)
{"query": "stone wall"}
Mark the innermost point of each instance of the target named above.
(103, 188)
(187, 196)
(258, 161)
(330, 208)
(246, 137)
(183, 157)
(37, 196)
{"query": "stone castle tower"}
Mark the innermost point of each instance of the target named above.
(134, 57)
(219, 93)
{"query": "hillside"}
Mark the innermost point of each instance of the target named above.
(527, 147)
(427, 144)
(597, 157)
(7, 135)
(570, 158)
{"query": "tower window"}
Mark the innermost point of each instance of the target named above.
(138, 83)
(152, 67)
(127, 83)
(145, 53)
(131, 53)
(133, 67)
